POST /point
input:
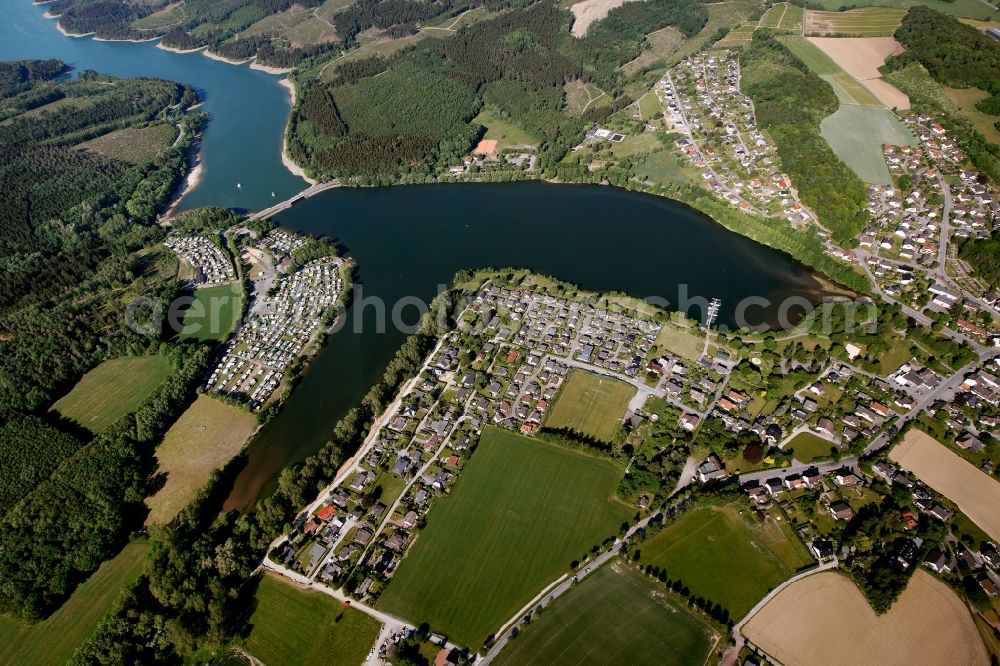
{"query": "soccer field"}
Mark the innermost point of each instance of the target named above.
(521, 511)
(857, 134)
(112, 390)
(591, 404)
(302, 627)
(726, 557)
(616, 615)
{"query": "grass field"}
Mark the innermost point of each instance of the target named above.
(663, 167)
(863, 22)
(213, 314)
(809, 447)
(636, 144)
(298, 627)
(506, 133)
(824, 619)
(53, 640)
(203, 439)
(112, 390)
(616, 615)
(976, 9)
(724, 555)
(856, 135)
(591, 404)
(580, 96)
(688, 344)
(136, 145)
(658, 47)
(521, 511)
(965, 99)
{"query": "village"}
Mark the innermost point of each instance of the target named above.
(290, 305)
(702, 101)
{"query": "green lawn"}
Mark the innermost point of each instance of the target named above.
(686, 343)
(112, 390)
(213, 314)
(724, 557)
(521, 511)
(663, 167)
(505, 132)
(53, 640)
(817, 61)
(616, 615)
(300, 627)
(856, 135)
(591, 404)
(808, 447)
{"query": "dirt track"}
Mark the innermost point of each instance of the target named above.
(824, 619)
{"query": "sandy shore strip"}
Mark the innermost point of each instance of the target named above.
(71, 34)
(190, 182)
(133, 41)
(216, 56)
(272, 70)
(176, 50)
(286, 159)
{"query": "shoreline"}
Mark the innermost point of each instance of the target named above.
(286, 159)
(277, 71)
(173, 49)
(191, 181)
(216, 56)
(130, 41)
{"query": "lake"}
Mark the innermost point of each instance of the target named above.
(248, 108)
(408, 242)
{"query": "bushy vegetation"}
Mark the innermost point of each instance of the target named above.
(29, 449)
(984, 258)
(790, 102)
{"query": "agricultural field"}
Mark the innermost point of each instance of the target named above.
(741, 35)
(518, 500)
(112, 390)
(136, 145)
(857, 133)
(723, 554)
(591, 404)
(213, 314)
(53, 640)
(782, 16)
(639, 624)
(976, 9)
(848, 89)
(203, 439)
(505, 132)
(861, 57)
(824, 619)
(976, 493)
(808, 447)
(291, 626)
(864, 22)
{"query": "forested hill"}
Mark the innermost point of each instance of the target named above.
(376, 118)
(73, 205)
(86, 164)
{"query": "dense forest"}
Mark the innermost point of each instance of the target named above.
(74, 227)
(984, 258)
(790, 102)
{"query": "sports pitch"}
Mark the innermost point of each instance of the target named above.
(616, 615)
(725, 556)
(112, 390)
(591, 404)
(521, 511)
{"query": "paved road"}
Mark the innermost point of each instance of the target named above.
(798, 468)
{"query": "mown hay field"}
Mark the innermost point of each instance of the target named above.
(591, 404)
(824, 619)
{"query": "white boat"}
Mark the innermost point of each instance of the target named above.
(238, 186)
